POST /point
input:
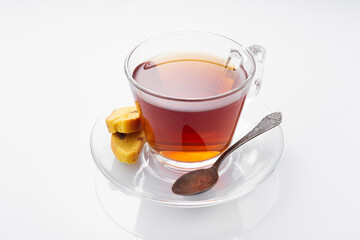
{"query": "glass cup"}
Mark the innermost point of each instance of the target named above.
(190, 132)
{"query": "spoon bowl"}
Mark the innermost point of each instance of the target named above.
(195, 182)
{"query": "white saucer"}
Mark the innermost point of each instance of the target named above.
(149, 180)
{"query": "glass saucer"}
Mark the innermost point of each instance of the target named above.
(148, 179)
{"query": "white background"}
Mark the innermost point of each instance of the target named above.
(61, 63)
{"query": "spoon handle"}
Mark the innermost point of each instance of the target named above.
(270, 121)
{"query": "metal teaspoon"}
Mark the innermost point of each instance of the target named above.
(201, 180)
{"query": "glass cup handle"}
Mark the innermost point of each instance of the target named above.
(258, 53)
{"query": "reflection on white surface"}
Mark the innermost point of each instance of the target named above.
(148, 220)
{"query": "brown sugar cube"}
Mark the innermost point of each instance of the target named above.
(127, 147)
(124, 120)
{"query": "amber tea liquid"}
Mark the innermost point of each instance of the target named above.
(181, 131)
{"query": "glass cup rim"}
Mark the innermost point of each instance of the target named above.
(155, 94)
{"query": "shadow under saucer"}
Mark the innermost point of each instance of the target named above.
(150, 220)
